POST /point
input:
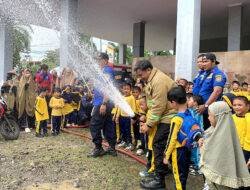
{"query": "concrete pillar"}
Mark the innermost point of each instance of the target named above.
(187, 38)
(138, 39)
(68, 24)
(122, 53)
(234, 27)
(6, 50)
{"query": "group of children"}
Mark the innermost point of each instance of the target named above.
(65, 108)
(186, 129)
(185, 147)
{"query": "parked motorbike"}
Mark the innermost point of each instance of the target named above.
(9, 128)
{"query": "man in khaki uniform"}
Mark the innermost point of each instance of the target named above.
(157, 86)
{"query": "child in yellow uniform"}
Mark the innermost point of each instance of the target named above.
(117, 127)
(67, 109)
(76, 96)
(150, 167)
(236, 88)
(57, 104)
(242, 122)
(248, 92)
(41, 113)
(125, 120)
(139, 137)
(244, 87)
(183, 131)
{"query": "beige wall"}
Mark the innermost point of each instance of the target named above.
(236, 64)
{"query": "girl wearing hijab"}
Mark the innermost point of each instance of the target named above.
(27, 98)
(222, 160)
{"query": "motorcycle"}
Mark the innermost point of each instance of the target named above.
(9, 128)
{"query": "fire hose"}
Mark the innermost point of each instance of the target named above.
(105, 144)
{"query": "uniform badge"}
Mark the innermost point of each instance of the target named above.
(218, 78)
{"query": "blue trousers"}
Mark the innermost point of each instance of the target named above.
(195, 158)
(125, 125)
(103, 123)
(180, 164)
(56, 123)
(41, 126)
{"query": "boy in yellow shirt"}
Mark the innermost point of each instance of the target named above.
(124, 120)
(236, 88)
(56, 103)
(149, 137)
(41, 113)
(184, 130)
(139, 137)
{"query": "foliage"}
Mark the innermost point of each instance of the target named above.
(52, 58)
(21, 43)
(87, 41)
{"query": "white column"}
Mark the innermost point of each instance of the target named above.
(122, 53)
(234, 27)
(68, 23)
(187, 38)
(6, 50)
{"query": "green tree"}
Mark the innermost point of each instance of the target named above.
(129, 55)
(21, 43)
(52, 58)
(87, 41)
(116, 52)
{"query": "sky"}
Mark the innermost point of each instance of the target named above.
(44, 39)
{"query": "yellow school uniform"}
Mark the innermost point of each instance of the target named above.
(237, 93)
(151, 135)
(131, 102)
(247, 134)
(172, 145)
(114, 112)
(241, 127)
(138, 108)
(57, 105)
(41, 109)
(67, 108)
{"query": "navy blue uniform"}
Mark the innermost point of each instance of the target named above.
(205, 87)
(198, 82)
(99, 122)
(212, 78)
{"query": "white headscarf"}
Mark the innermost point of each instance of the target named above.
(223, 162)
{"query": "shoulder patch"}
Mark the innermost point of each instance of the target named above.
(218, 78)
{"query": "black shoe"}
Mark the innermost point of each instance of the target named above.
(111, 151)
(53, 133)
(39, 135)
(96, 153)
(155, 183)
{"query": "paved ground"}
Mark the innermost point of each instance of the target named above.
(60, 163)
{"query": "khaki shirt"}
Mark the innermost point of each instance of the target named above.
(156, 90)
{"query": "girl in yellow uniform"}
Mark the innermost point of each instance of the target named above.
(57, 104)
(41, 113)
(242, 123)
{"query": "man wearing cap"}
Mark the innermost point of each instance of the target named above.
(101, 116)
(212, 85)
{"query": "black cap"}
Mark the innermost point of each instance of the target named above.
(104, 56)
(211, 57)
